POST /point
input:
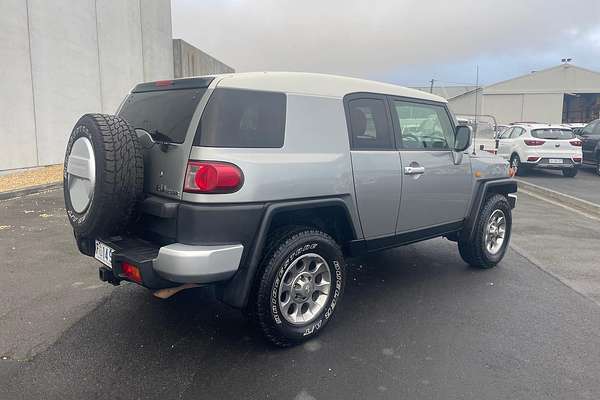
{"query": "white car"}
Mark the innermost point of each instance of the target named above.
(541, 146)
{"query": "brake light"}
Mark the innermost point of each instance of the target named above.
(131, 272)
(576, 143)
(533, 142)
(164, 83)
(212, 177)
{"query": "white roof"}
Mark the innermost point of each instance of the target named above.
(317, 84)
(541, 126)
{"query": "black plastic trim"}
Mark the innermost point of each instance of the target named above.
(504, 186)
(237, 291)
(362, 246)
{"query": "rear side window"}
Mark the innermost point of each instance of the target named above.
(552, 134)
(242, 118)
(165, 115)
(369, 124)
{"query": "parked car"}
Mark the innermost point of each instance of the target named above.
(261, 184)
(534, 145)
(577, 127)
(590, 137)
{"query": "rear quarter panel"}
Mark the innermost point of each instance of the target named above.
(313, 162)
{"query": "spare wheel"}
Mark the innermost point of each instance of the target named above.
(103, 175)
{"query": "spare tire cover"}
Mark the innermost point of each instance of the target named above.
(103, 175)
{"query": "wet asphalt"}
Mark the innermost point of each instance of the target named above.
(415, 323)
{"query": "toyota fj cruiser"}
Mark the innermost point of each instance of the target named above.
(260, 184)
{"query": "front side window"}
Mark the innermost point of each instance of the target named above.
(369, 125)
(423, 126)
(242, 118)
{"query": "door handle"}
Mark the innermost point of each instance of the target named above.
(414, 170)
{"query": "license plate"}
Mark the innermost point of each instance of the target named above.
(104, 254)
(555, 161)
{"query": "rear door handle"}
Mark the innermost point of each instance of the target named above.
(414, 170)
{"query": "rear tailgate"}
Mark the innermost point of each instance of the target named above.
(558, 143)
(165, 114)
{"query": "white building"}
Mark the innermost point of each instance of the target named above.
(565, 93)
(60, 59)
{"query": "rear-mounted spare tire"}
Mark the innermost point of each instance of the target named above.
(103, 175)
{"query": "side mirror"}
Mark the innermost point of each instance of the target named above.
(462, 139)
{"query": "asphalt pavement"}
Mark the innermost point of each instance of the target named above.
(585, 185)
(415, 322)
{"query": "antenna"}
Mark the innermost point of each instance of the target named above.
(476, 104)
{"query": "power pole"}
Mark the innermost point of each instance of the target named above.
(431, 86)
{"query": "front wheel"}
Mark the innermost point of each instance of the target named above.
(569, 172)
(491, 234)
(301, 282)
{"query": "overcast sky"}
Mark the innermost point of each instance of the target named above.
(404, 41)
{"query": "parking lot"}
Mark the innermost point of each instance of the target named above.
(415, 321)
(586, 185)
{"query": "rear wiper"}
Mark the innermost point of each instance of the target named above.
(160, 137)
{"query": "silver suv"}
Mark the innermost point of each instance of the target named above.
(261, 184)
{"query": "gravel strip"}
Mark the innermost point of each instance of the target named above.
(31, 177)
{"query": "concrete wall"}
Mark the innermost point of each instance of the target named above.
(191, 61)
(64, 58)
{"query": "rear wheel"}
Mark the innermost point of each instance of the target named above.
(491, 234)
(569, 172)
(515, 163)
(300, 282)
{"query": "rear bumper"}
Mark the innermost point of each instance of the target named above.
(545, 163)
(171, 265)
(183, 263)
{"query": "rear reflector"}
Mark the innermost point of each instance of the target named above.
(576, 143)
(533, 142)
(212, 177)
(131, 272)
(532, 158)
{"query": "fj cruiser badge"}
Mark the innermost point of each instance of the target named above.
(164, 189)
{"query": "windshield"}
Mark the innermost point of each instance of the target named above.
(165, 115)
(552, 134)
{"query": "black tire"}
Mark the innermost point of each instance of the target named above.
(569, 172)
(515, 163)
(264, 304)
(119, 176)
(475, 252)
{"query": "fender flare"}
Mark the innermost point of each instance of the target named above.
(502, 186)
(236, 291)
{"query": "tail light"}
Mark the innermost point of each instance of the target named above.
(534, 142)
(576, 143)
(212, 177)
(131, 272)
(577, 159)
(532, 158)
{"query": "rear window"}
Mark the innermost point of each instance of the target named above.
(242, 118)
(552, 134)
(165, 115)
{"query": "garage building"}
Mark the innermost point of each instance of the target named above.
(562, 94)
